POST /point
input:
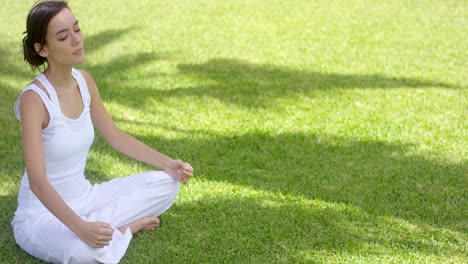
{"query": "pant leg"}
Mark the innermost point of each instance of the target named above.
(48, 239)
(124, 200)
(118, 202)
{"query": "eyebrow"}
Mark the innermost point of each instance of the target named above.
(63, 30)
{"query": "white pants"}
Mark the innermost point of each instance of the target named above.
(117, 202)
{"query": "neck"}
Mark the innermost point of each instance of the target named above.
(59, 77)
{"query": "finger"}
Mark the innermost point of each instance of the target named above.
(103, 244)
(187, 167)
(183, 174)
(183, 165)
(107, 232)
(106, 225)
(105, 239)
(186, 173)
(97, 245)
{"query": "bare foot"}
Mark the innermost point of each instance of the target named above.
(145, 223)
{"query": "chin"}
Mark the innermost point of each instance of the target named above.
(79, 61)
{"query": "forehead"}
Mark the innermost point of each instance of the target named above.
(63, 20)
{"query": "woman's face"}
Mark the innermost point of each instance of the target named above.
(64, 40)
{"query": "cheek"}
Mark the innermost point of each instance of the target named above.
(52, 46)
(60, 46)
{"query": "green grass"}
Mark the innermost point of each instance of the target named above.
(320, 131)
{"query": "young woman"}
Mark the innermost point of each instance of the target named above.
(61, 217)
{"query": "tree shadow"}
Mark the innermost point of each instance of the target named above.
(11, 162)
(100, 40)
(113, 75)
(11, 64)
(113, 71)
(255, 85)
(268, 229)
(379, 177)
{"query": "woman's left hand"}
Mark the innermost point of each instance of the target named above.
(181, 171)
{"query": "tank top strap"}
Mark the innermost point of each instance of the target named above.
(50, 90)
(82, 86)
(45, 99)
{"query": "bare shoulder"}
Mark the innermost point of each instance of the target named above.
(31, 104)
(89, 81)
(88, 78)
(30, 98)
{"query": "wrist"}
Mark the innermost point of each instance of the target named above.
(166, 165)
(77, 225)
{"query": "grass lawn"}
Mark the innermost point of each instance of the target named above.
(325, 131)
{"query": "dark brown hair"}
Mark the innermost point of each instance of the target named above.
(36, 29)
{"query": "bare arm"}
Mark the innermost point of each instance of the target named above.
(33, 117)
(129, 145)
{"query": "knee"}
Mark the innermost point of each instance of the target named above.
(175, 189)
(164, 182)
(171, 184)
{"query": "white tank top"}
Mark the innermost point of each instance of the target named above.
(66, 144)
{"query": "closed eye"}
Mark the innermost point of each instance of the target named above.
(65, 30)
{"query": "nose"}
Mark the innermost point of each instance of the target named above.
(76, 38)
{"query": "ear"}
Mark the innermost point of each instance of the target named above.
(40, 49)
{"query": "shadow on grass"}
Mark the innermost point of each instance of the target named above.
(272, 230)
(254, 85)
(378, 177)
(11, 162)
(11, 64)
(109, 76)
(367, 200)
(102, 39)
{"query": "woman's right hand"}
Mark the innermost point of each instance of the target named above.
(181, 171)
(96, 234)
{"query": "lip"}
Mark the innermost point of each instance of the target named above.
(78, 52)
